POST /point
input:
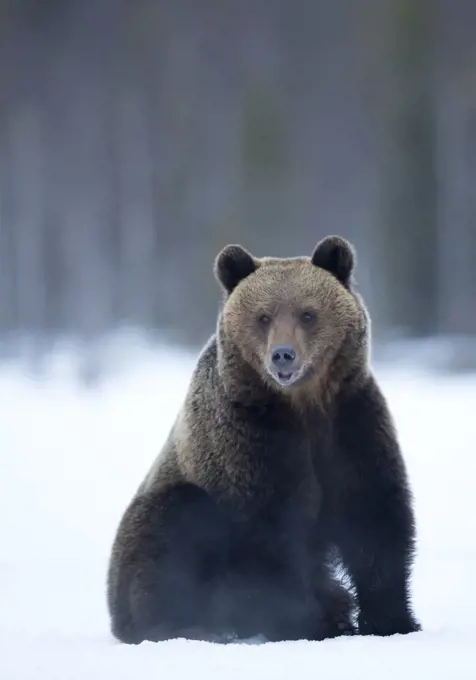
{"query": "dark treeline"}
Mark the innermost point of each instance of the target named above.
(138, 138)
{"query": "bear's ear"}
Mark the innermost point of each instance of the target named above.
(232, 265)
(337, 256)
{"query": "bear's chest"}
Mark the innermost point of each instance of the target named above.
(284, 481)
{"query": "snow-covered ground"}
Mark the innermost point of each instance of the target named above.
(70, 459)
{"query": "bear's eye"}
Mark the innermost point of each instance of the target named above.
(307, 318)
(264, 319)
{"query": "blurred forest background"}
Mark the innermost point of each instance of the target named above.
(139, 137)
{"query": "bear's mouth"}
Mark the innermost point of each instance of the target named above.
(286, 378)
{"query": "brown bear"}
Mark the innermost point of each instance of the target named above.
(283, 458)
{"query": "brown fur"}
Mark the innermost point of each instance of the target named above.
(232, 527)
(334, 348)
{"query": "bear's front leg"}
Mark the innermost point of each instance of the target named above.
(379, 569)
(373, 515)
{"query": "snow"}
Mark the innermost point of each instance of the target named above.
(71, 457)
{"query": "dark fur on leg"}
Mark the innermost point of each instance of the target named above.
(375, 527)
(161, 577)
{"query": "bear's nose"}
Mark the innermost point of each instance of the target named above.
(283, 356)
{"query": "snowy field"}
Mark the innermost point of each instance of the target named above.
(71, 458)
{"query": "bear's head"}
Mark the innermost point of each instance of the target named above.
(295, 322)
